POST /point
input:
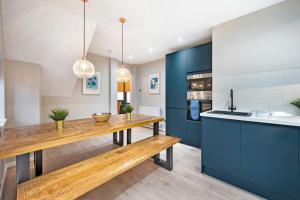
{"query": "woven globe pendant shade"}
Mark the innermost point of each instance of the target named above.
(83, 68)
(123, 75)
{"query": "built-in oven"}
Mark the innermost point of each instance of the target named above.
(199, 94)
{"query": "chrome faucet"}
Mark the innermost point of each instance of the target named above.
(231, 107)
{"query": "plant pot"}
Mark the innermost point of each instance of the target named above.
(128, 115)
(60, 125)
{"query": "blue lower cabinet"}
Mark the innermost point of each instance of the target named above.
(221, 143)
(193, 134)
(270, 157)
(176, 122)
(261, 158)
(299, 164)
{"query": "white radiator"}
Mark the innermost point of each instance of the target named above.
(154, 111)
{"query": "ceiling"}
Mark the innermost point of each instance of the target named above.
(154, 26)
(49, 32)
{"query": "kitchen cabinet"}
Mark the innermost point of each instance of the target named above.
(270, 157)
(193, 133)
(176, 89)
(176, 122)
(299, 163)
(261, 158)
(221, 145)
(199, 59)
(178, 64)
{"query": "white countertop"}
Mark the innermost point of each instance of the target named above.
(2, 123)
(280, 120)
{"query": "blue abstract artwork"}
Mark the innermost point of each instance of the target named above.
(92, 83)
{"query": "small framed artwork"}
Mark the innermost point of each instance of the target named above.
(154, 83)
(91, 85)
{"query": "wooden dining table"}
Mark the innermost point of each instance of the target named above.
(20, 142)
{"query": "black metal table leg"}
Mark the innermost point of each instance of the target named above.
(22, 168)
(156, 128)
(38, 162)
(129, 136)
(121, 138)
(115, 138)
(168, 164)
(156, 158)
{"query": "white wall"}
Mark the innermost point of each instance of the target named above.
(113, 100)
(22, 94)
(81, 105)
(2, 87)
(258, 56)
(141, 89)
(2, 67)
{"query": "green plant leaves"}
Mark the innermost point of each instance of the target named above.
(59, 114)
(128, 108)
(296, 103)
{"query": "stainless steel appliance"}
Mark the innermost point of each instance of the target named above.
(199, 88)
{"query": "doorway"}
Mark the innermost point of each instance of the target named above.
(124, 95)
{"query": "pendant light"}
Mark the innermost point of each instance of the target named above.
(123, 75)
(84, 68)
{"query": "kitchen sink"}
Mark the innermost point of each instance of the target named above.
(243, 114)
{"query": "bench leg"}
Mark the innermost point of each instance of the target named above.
(22, 168)
(38, 162)
(129, 136)
(168, 164)
(121, 138)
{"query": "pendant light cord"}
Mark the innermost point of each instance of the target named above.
(122, 43)
(84, 1)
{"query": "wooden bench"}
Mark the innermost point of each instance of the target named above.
(75, 180)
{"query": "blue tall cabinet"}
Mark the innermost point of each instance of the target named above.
(176, 102)
(178, 66)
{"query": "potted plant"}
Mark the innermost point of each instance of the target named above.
(59, 115)
(128, 110)
(296, 103)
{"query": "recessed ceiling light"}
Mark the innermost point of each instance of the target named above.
(179, 40)
(130, 57)
(151, 50)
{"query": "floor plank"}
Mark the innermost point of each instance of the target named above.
(144, 182)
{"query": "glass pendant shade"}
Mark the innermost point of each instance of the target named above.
(123, 75)
(83, 68)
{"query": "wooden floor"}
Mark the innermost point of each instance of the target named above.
(145, 182)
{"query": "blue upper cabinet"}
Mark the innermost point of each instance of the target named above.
(270, 157)
(176, 80)
(199, 59)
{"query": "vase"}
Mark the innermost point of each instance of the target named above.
(128, 115)
(60, 125)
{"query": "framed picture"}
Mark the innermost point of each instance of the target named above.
(154, 83)
(91, 85)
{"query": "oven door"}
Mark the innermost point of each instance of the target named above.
(201, 95)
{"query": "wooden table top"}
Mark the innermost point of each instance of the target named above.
(17, 141)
